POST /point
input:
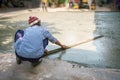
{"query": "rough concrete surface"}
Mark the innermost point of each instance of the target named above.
(52, 70)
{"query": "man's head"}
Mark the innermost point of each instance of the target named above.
(34, 21)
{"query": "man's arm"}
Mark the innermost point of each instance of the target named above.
(48, 35)
(61, 45)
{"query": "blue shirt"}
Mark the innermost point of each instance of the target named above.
(31, 45)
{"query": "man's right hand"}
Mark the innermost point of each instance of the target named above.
(64, 46)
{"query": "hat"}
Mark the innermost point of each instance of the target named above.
(33, 20)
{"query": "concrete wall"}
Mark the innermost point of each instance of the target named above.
(32, 3)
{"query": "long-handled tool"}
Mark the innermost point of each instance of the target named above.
(70, 46)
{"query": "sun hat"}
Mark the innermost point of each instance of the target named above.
(33, 20)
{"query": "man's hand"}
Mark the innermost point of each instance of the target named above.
(64, 46)
(46, 52)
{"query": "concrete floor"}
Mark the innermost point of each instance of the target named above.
(52, 70)
(69, 30)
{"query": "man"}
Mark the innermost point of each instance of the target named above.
(30, 44)
(44, 5)
(70, 3)
(117, 3)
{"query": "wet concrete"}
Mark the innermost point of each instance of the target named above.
(108, 24)
(71, 28)
(103, 53)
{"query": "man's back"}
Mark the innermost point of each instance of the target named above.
(32, 43)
